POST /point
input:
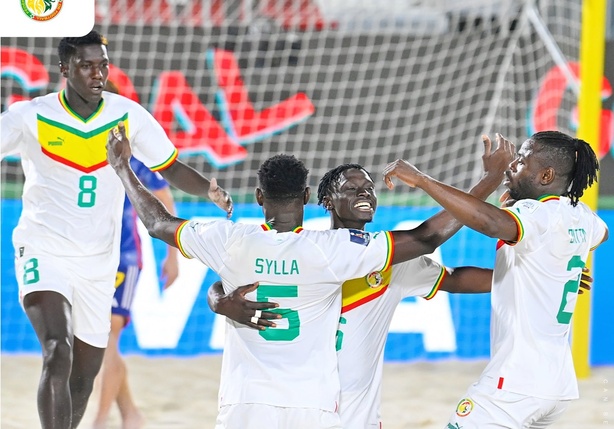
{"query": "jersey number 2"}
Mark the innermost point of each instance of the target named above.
(263, 294)
(571, 287)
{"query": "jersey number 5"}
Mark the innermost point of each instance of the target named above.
(263, 293)
(571, 287)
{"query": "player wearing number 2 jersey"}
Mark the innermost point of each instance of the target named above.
(67, 238)
(347, 192)
(283, 377)
(545, 239)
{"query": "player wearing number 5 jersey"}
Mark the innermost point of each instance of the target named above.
(544, 241)
(67, 238)
(287, 376)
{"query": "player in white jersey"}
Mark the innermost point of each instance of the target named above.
(283, 377)
(545, 238)
(67, 238)
(348, 193)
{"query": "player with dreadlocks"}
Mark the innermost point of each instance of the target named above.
(544, 240)
(347, 192)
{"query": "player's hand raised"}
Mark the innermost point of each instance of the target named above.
(497, 162)
(402, 170)
(118, 147)
(220, 197)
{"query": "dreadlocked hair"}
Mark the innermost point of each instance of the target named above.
(332, 177)
(573, 158)
(283, 177)
(68, 45)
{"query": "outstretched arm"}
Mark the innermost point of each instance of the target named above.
(170, 266)
(469, 210)
(156, 218)
(479, 280)
(236, 307)
(433, 232)
(184, 177)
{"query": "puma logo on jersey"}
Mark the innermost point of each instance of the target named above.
(76, 148)
(57, 142)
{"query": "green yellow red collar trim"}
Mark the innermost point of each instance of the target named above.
(548, 197)
(268, 227)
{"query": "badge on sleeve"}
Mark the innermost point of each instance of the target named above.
(359, 237)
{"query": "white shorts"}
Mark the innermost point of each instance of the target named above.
(90, 299)
(486, 407)
(262, 416)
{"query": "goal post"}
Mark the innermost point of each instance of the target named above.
(592, 53)
(335, 81)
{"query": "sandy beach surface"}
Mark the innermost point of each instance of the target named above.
(181, 393)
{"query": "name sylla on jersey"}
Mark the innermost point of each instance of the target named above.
(276, 267)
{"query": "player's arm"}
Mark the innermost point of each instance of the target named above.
(467, 280)
(236, 307)
(469, 210)
(154, 215)
(479, 280)
(170, 266)
(184, 177)
(433, 232)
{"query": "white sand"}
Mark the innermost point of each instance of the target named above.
(182, 394)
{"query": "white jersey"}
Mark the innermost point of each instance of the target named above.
(295, 364)
(72, 199)
(534, 292)
(368, 307)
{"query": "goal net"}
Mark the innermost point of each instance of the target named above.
(331, 81)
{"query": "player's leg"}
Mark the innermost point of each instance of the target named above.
(549, 411)
(262, 416)
(91, 326)
(113, 378)
(87, 360)
(131, 415)
(487, 407)
(483, 407)
(49, 313)
(112, 374)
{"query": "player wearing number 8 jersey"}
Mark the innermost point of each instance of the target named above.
(67, 238)
(544, 241)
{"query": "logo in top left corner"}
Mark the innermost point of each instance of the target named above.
(41, 10)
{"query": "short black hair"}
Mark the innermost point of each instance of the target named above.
(572, 158)
(332, 177)
(283, 177)
(68, 45)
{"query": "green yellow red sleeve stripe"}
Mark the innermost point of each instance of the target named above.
(519, 227)
(438, 282)
(178, 241)
(167, 163)
(390, 254)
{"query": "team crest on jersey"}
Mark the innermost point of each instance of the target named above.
(375, 279)
(464, 407)
(359, 237)
(41, 10)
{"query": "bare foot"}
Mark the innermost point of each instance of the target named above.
(133, 420)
